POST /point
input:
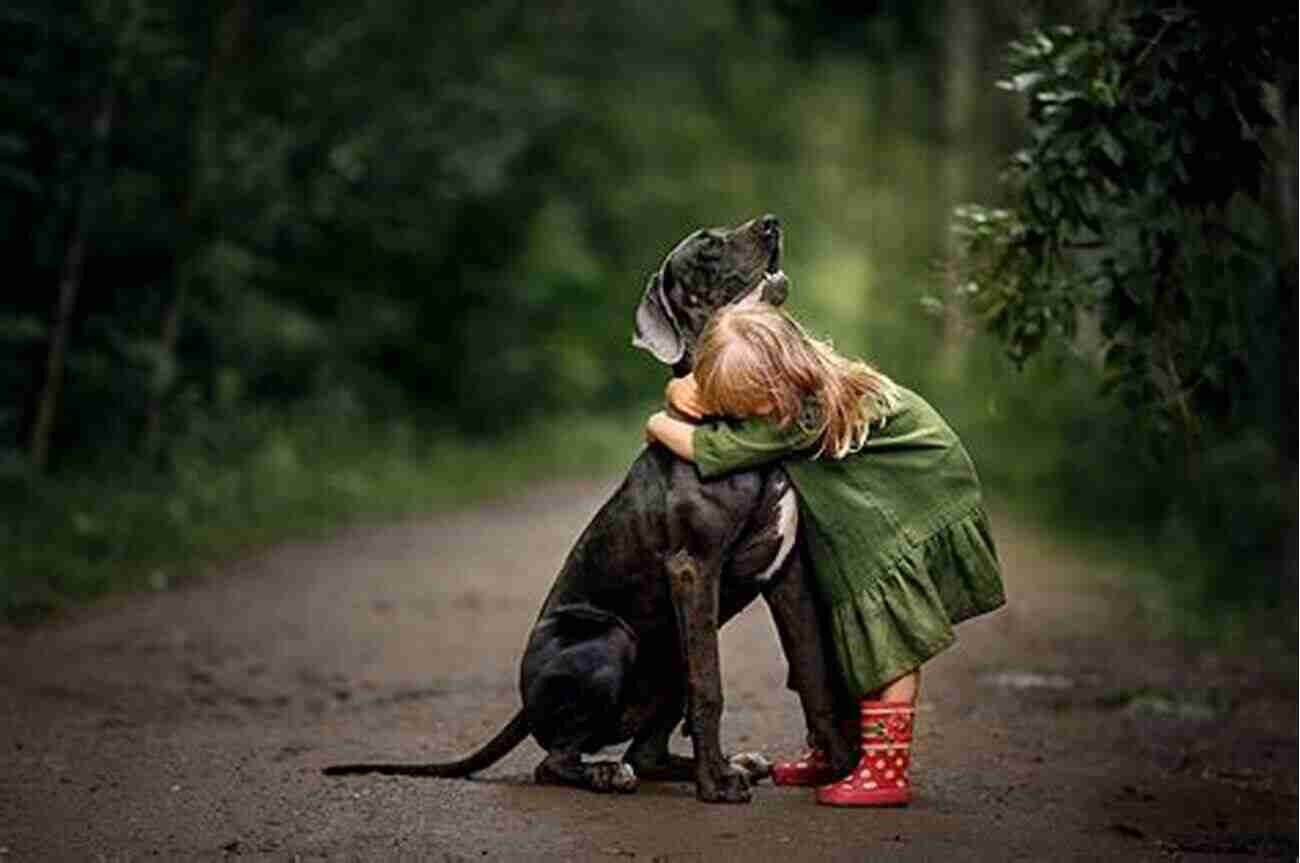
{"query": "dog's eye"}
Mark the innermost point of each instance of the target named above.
(692, 298)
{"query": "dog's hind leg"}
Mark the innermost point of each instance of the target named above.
(576, 710)
(649, 756)
(571, 688)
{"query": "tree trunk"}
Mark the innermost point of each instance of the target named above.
(47, 407)
(1289, 284)
(960, 75)
(228, 40)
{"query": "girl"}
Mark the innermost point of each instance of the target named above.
(890, 512)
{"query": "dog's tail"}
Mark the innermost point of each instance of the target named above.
(485, 756)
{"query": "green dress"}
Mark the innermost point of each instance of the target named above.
(899, 541)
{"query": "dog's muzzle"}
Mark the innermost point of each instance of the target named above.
(774, 288)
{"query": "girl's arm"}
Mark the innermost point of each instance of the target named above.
(718, 448)
(672, 433)
(683, 394)
(722, 447)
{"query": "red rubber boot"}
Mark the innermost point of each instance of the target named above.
(810, 768)
(813, 767)
(882, 775)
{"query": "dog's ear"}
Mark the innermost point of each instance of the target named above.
(656, 328)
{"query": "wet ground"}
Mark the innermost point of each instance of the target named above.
(192, 724)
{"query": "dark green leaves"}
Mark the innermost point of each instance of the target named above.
(1146, 158)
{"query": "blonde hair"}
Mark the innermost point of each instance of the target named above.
(753, 356)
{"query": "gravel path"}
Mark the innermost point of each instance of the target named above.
(192, 724)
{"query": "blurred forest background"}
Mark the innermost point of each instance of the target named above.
(272, 266)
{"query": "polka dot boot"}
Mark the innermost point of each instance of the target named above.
(813, 767)
(882, 775)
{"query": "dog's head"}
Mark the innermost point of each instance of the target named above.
(711, 268)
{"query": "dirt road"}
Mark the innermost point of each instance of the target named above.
(192, 724)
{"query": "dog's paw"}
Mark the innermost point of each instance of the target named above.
(732, 786)
(613, 777)
(752, 764)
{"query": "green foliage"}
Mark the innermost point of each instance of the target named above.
(1140, 208)
(257, 478)
(446, 214)
(1141, 234)
(390, 229)
(403, 217)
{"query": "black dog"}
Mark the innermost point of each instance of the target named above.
(627, 640)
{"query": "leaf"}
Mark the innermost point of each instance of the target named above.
(12, 145)
(1204, 105)
(1026, 81)
(20, 180)
(1111, 146)
(23, 330)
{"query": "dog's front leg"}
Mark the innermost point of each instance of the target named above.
(695, 601)
(828, 709)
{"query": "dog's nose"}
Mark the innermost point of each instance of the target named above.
(769, 224)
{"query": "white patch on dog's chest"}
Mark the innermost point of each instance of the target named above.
(787, 528)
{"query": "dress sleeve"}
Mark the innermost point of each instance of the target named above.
(723, 446)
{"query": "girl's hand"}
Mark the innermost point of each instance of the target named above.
(683, 394)
(672, 433)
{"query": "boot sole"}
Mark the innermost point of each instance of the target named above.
(883, 804)
(894, 800)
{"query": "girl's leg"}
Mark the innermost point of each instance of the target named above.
(904, 688)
